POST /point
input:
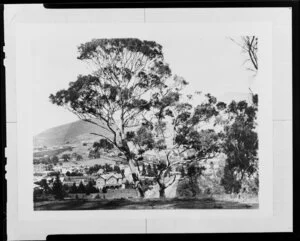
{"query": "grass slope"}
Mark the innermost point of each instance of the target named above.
(71, 133)
(205, 203)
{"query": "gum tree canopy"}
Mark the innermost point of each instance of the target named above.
(128, 77)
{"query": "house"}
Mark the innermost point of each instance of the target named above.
(110, 180)
(100, 182)
(39, 167)
(77, 180)
(39, 174)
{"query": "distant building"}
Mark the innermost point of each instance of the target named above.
(100, 182)
(110, 180)
(39, 168)
(77, 180)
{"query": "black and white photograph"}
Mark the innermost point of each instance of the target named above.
(155, 125)
(149, 120)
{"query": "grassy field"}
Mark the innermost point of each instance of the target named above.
(51, 152)
(205, 203)
(100, 161)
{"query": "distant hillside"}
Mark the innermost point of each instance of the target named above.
(72, 133)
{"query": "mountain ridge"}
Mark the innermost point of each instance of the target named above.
(69, 133)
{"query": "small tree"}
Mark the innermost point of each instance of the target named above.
(103, 144)
(81, 188)
(117, 169)
(66, 157)
(46, 160)
(57, 189)
(73, 188)
(66, 188)
(240, 144)
(79, 157)
(36, 193)
(54, 160)
(44, 185)
(193, 172)
(90, 188)
(108, 168)
(104, 190)
(94, 154)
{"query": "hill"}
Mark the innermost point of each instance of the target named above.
(71, 133)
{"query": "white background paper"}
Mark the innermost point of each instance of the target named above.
(275, 122)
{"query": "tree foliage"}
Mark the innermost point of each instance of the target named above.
(127, 79)
(44, 185)
(103, 144)
(57, 188)
(133, 96)
(240, 144)
(90, 188)
(81, 188)
(73, 188)
(54, 160)
(66, 157)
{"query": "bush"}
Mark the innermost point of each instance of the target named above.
(187, 190)
(57, 189)
(37, 193)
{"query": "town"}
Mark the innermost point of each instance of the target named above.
(102, 174)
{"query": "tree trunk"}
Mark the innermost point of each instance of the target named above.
(135, 176)
(162, 192)
(141, 192)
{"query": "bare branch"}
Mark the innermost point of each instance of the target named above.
(169, 184)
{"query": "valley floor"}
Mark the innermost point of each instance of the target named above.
(204, 203)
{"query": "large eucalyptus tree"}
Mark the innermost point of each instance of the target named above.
(122, 92)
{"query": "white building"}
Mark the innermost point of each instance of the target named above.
(100, 182)
(109, 180)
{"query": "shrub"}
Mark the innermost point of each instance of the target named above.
(187, 190)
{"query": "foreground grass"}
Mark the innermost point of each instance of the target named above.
(204, 203)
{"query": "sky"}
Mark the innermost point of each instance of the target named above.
(210, 63)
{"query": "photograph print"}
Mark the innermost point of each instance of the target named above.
(148, 121)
